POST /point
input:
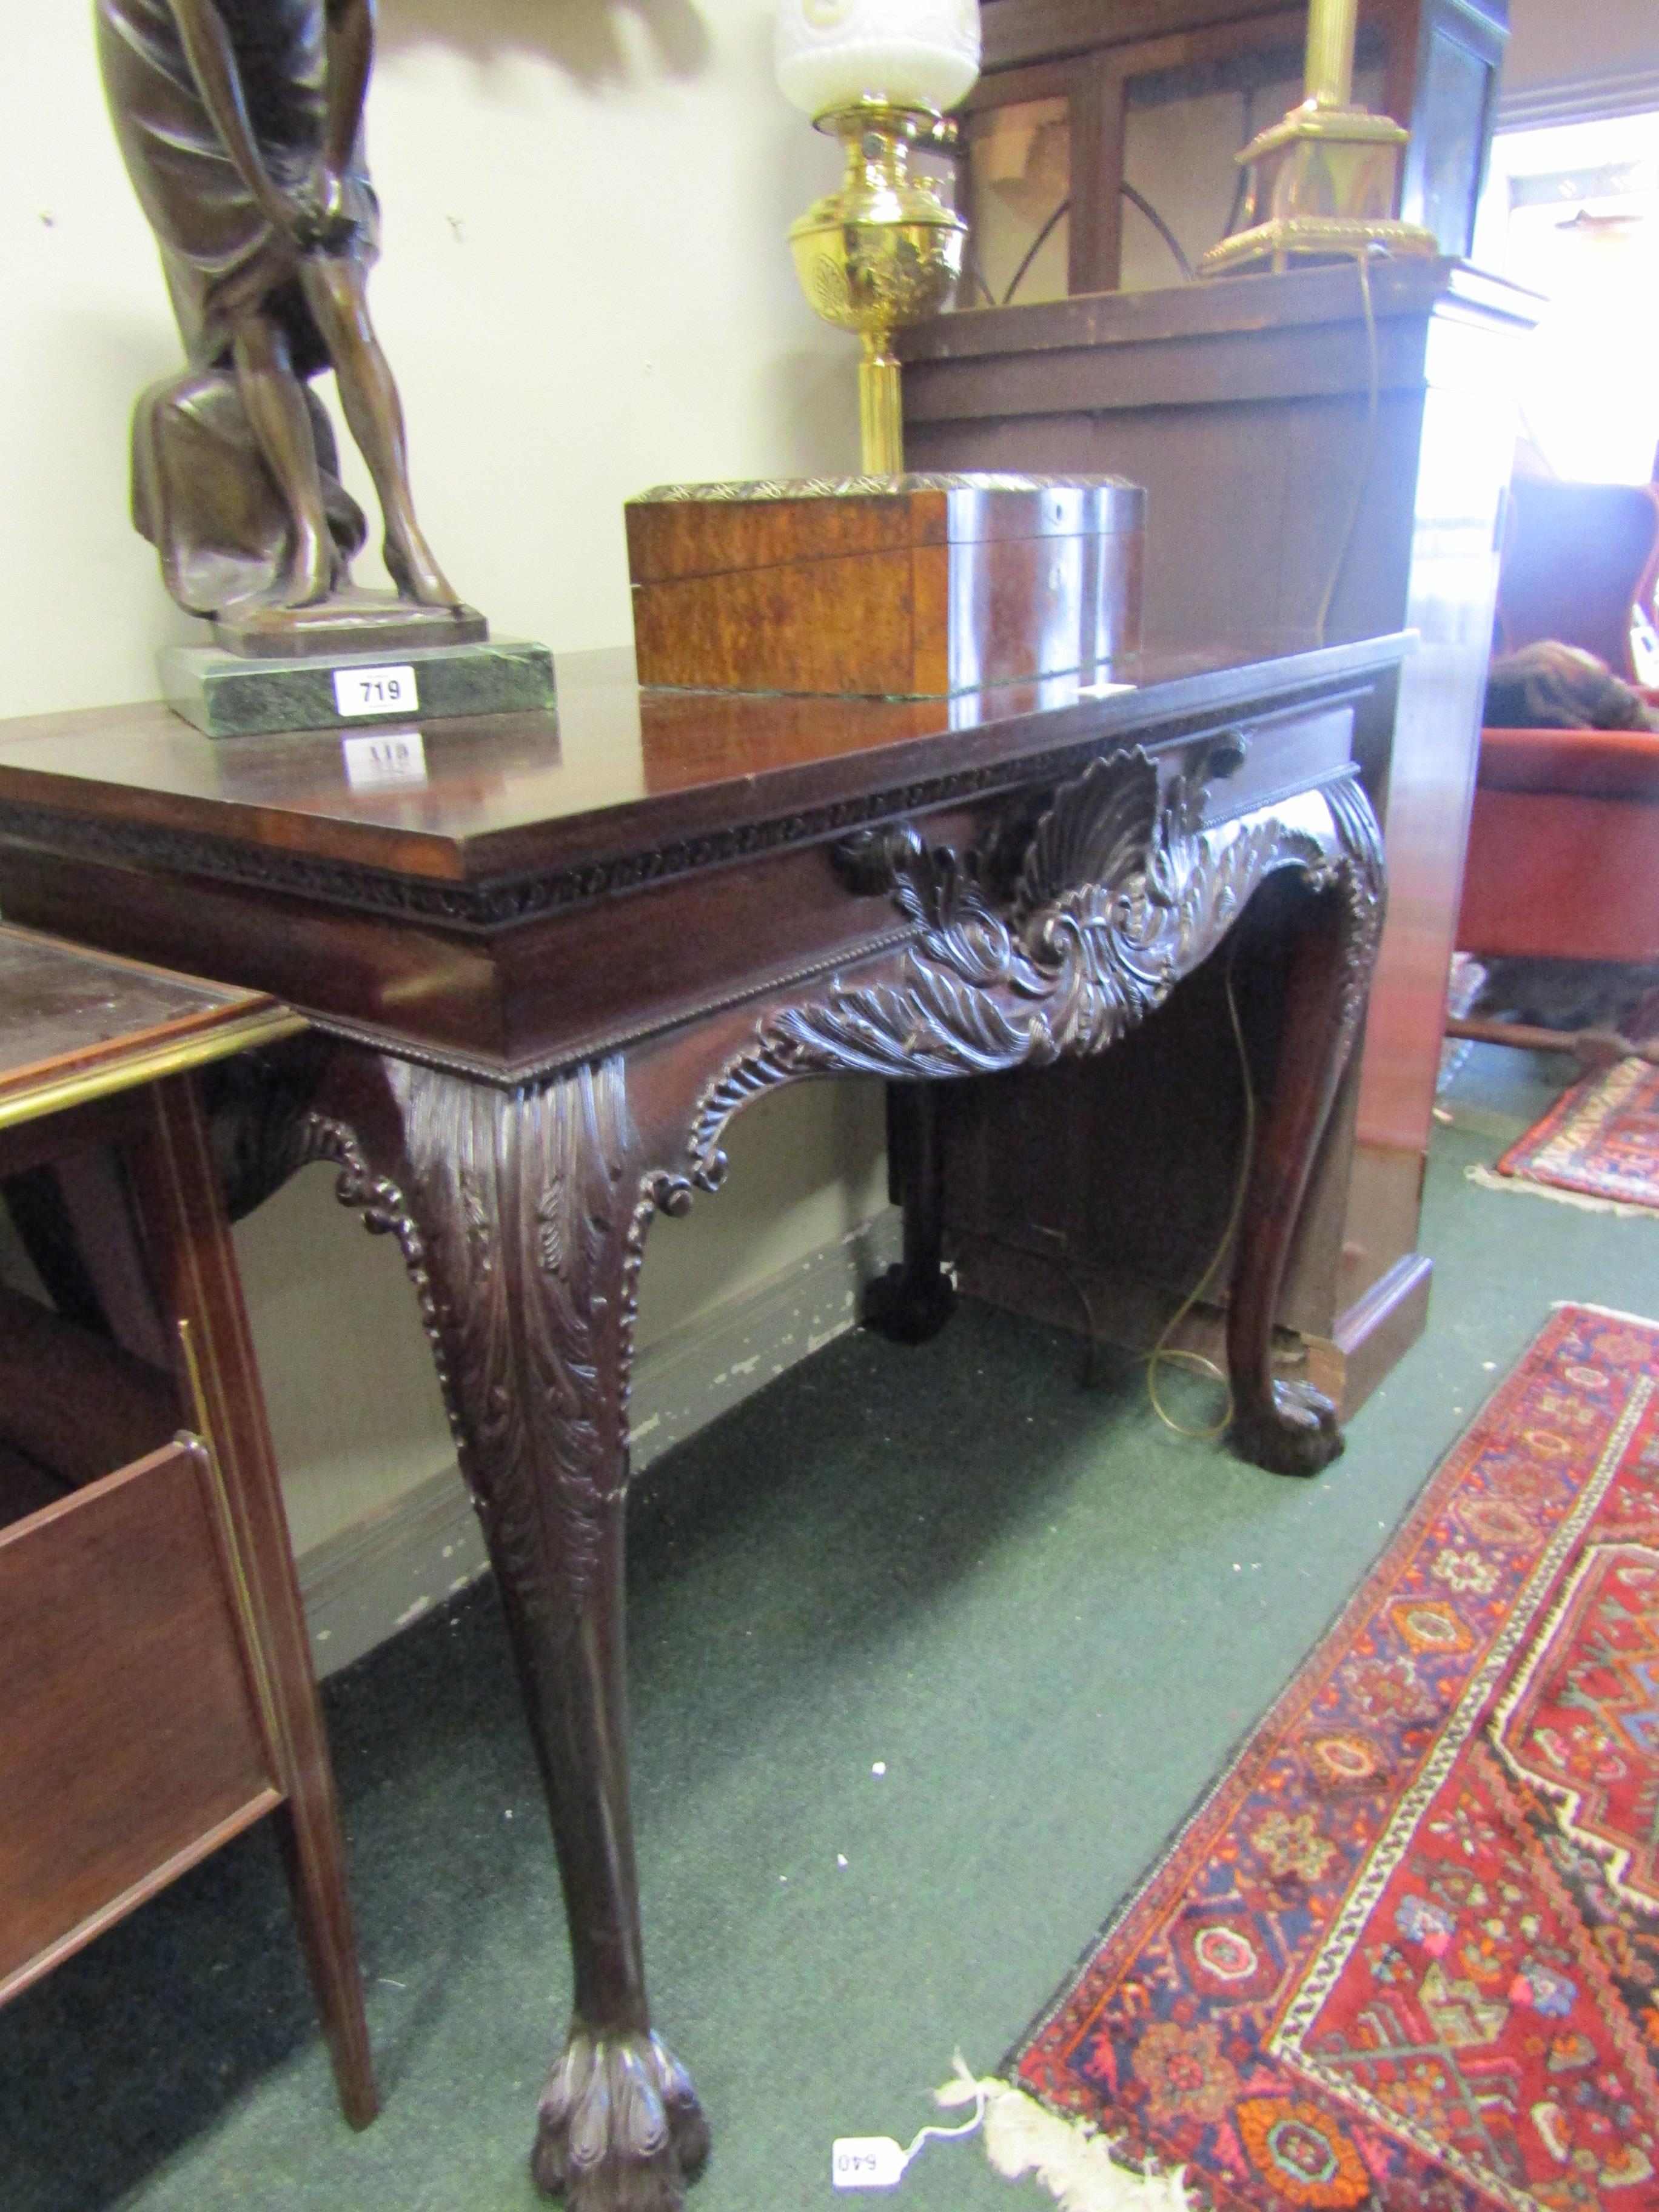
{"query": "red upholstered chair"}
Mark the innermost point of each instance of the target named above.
(1564, 846)
(1564, 840)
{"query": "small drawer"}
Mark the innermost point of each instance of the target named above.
(1282, 754)
(130, 1733)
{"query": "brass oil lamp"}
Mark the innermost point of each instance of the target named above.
(882, 250)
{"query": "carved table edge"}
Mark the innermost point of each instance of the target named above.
(1125, 888)
(544, 1067)
(596, 1044)
(496, 905)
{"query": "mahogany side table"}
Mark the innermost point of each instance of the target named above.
(547, 959)
(159, 1693)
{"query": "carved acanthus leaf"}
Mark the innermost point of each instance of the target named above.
(529, 1197)
(521, 1231)
(1122, 892)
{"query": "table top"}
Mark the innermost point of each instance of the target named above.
(614, 769)
(76, 1025)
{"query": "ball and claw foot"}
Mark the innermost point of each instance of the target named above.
(1296, 1433)
(620, 2128)
(908, 1309)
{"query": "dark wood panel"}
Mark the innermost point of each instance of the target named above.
(1022, 31)
(1017, 31)
(74, 1401)
(24, 1487)
(100, 1793)
(1099, 122)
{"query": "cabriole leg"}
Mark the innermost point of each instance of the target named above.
(521, 1216)
(1288, 1426)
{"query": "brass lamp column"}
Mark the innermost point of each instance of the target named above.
(1326, 180)
(882, 249)
(881, 252)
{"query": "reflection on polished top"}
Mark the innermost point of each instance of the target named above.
(74, 1025)
(466, 802)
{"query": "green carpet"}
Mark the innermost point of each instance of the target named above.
(1049, 1619)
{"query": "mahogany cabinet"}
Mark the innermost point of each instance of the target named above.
(1295, 449)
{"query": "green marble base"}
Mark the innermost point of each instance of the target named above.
(227, 695)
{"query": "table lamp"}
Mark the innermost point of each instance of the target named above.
(1326, 180)
(882, 250)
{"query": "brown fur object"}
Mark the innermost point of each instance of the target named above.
(1551, 686)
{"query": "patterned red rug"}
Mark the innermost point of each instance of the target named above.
(1600, 1141)
(1407, 1954)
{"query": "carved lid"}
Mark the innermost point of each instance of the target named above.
(700, 530)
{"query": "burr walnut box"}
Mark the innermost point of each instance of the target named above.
(903, 588)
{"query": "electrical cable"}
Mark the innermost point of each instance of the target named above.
(1163, 1353)
(1362, 263)
(1235, 212)
(1137, 199)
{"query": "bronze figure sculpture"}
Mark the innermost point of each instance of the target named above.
(240, 122)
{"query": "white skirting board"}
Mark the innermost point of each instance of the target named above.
(364, 1584)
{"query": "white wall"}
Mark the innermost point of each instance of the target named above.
(585, 290)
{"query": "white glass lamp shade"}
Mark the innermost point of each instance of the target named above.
(836, 54)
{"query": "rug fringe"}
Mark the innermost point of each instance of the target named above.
(1071, 2158)
(1489, 1179)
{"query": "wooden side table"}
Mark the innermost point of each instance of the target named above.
(547, 962)
(159, 1693)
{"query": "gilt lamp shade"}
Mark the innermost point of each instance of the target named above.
(836, 54)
